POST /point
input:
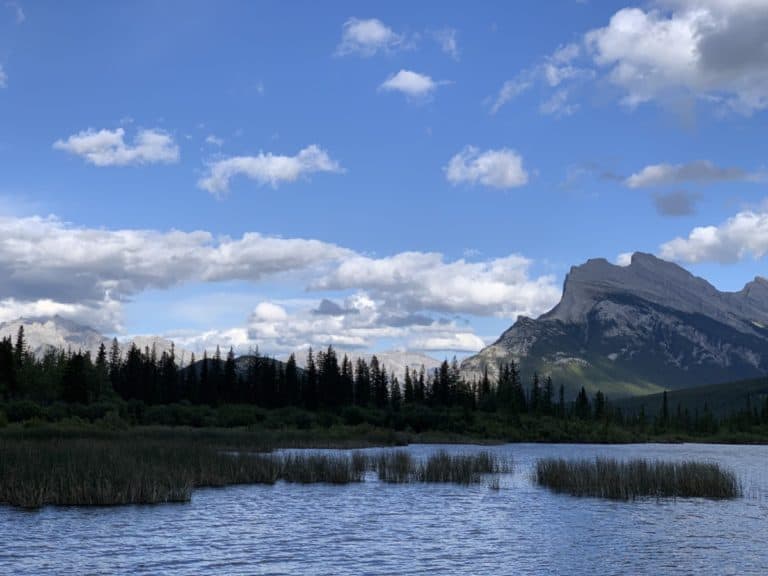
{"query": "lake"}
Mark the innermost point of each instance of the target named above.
(377, 528)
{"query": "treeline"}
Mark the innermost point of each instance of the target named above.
(327, 383)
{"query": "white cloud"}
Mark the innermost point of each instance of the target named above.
(415, 281)
(412, 84)
(558, 105)
(50, 267)
(108, 147)
(509, 90)
(709, 49)
(552, 72)
(268, 168)
(701, 171)
(367, 37)
(742, 235)
(502, 168)
(214, 140)
(446, 38)
(624, 259)
(3, 78)
(46, 260)
(458, 342)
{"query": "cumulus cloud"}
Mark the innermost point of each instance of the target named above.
(267, 168)
(412, 84)
(457, 342)
(367, 37)
(711, 49)
(502, 168)
(359, 324)
(418, 281)
(108, 147)
(446, 39)
(701, 171)
(47, 260)
(740, 236)
(677, 203)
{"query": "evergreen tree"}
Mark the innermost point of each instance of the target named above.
(409, 392)
(230, 377)
(395, 395)
(582, 409)
(291, 381)
(20, 351)
(362, 383)
(310, 384)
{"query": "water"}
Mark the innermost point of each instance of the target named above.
(374, 528)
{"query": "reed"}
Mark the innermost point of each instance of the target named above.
(620, 480)
(459, 469)
(313, 468)
(94, 472)
(395, 467)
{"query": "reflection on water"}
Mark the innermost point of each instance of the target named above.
(374, 528)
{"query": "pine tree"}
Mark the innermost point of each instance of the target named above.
(395, 395)
(230, 377)
(310, 384)
(20, 351)
(409, 392)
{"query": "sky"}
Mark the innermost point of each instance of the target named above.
(374, 176)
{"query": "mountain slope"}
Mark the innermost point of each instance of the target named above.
(637, 330)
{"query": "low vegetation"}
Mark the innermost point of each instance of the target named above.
(614, 479)
(399, 466)
(151, 467)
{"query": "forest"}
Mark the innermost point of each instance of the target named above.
(142, 387)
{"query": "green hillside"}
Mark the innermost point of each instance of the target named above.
(722, 399)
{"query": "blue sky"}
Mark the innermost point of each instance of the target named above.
(382, 175)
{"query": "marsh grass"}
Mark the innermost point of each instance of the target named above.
(93, 472)
(609, 478)
(148, 466)
(313, 468)
(399, 466)
(395, 467)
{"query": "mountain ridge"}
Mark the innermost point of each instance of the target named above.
(635, 329)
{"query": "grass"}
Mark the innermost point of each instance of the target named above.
(614, 479)
(399, 466)
(99, 472)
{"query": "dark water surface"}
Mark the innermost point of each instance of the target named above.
(375, 528)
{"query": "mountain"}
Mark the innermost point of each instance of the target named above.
(395, 361)
(638, 329)
(55, 333)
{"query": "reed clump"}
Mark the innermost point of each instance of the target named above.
(395, 467)
(399, 466)
(627, 480)
(458, 469)
(313, 468)
(106, 472)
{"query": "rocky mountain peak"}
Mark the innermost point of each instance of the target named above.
(648, 324)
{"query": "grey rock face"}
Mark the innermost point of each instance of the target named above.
(639, 328)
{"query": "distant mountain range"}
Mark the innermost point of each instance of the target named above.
(625, 330)
(638, 329)
(395, 361)
(54, 332)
